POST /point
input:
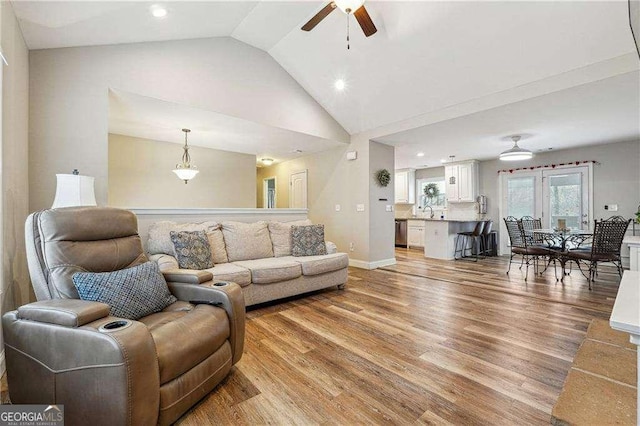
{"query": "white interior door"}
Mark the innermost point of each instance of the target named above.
(566, 197)
(298, 190)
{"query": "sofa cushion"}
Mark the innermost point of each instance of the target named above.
(308, 240)
(130, 293)
(186, 336)
(231, 272)
(280, 233)
(271, 270)
(247, 241)
(160, 234)
(316, 265)
(216, 242)
(192, 249)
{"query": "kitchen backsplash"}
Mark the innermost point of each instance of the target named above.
(458, 211)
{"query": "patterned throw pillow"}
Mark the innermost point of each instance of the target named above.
(131, 293)
(308, 240)
(280, 233)
(192, 249)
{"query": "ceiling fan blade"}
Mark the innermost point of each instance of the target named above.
(319, 17)
(365, 21)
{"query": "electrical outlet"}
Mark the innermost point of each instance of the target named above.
(388, 208)
(359, 207)
(352, 247)
(613, 207)
(338, 207)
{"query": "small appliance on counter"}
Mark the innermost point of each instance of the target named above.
(482, 204)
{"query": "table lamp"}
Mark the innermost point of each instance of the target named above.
(74, 190)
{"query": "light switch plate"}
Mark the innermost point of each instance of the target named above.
(359, 207)
(352, 155)
(613, 207)
(388, 208)
(337, 207)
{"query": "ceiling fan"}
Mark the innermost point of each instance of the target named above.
(350, 7)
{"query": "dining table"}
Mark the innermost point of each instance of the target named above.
(559, 239)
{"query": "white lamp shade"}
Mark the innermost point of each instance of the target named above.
(74, 190)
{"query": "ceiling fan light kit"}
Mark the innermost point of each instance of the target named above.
(516, 153)
(185, 170)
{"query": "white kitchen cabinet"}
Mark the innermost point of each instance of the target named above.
(462, 182)
(415, 233)
(405, 186)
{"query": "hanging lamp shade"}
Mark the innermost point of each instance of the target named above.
(185, 170)
(74, 190)
(516, 153)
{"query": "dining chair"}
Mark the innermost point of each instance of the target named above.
(605, 247)
(520, 246)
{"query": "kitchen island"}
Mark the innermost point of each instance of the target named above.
(440, 236)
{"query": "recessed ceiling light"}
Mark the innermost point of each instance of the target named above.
(340, 84)
(420, 154)
(443, 160)
(158, 11)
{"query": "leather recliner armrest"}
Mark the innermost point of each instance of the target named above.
(116, 370)
(65, 312)
(230, 298)
(188, 276)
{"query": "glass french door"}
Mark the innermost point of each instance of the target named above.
(566, 198)
(556, 194)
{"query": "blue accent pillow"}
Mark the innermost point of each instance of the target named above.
(131, 293)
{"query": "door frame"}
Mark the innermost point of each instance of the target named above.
(504, 237)
(265, 189)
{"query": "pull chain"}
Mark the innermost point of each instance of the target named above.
(348, 47)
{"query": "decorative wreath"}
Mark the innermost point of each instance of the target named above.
(431, 190)
(383, 177)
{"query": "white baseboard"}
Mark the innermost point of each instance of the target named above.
(371, 265)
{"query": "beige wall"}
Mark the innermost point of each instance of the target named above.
(325, 171)
(16, 287)
(382, 229)
(69, 99)
(140, 176)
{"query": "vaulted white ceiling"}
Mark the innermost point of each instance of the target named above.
(426, 57)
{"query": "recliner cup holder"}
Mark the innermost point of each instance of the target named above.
(220, 284)
(112, 326)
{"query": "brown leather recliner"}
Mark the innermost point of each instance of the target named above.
(148, 372)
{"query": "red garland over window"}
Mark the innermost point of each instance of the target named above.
(549, 166)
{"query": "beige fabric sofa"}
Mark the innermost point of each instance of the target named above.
(257, 256)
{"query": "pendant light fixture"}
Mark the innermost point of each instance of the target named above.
(185, 170)
(516, 153)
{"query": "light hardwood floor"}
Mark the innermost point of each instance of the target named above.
(423, 341)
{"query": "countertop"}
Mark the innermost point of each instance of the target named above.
(437, 219)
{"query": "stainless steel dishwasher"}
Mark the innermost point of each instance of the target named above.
(401, 232)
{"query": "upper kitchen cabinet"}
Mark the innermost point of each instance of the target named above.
(462, 181)
(405, 186)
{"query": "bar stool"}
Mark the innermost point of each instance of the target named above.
(476, 238)
(488, 239)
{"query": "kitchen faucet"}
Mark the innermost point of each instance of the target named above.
(430, 208)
